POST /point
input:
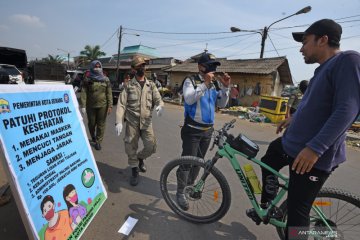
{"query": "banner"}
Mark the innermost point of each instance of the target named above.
(50, 159)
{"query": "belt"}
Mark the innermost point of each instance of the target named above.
(199, 128)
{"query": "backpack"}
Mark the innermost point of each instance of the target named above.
(193, 78)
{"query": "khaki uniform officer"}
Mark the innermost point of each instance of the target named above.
(96, 100)
(135, 105)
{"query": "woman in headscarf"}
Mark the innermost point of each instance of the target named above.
(96, 101)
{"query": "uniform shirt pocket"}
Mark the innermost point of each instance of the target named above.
(149, 100)
(132, 95)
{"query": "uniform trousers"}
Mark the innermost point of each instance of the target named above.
(132, 135)
(96, 122)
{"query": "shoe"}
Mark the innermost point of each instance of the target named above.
(134, 179)
(142, 166)
(97, 146)
(182, 201)
(4, 200)
(251, 213)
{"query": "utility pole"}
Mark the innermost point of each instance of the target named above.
(263, 38)
(266, 29)
(264, 32)
(118, 55)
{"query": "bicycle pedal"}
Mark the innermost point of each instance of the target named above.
(277, 213)
(251, 213)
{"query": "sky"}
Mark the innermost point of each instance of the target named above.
(178, 29)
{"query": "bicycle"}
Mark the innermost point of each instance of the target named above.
(335, 213)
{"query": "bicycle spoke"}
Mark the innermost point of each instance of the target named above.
(206, 205)
(342, 212)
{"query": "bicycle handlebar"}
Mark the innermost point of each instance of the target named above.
(222, 134)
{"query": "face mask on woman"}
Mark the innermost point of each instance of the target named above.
(97, 69)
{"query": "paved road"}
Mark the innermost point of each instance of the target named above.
(144, 202)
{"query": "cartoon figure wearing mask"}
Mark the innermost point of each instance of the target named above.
(76, 210)
(59, 223)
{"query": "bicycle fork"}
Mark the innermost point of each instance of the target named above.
(208, 166)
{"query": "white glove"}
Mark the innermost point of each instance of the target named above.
(83, 110)
(159, 110)
(118, 128)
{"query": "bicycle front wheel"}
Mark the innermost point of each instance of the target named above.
(342, 212)
(207, 205)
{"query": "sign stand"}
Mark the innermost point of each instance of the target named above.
(48, 160)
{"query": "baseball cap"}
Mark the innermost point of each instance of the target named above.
(137, 61)
(321, 28)
(208, 59)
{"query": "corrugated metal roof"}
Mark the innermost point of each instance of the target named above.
(148, 67)
(258, 66)
(262, 66)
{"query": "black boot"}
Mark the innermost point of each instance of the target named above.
(97, 146)
(134, 179)
(180, 193)
(251, 213)
(142, 166)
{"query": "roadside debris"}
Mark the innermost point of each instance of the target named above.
(250, 113)
(128, 225)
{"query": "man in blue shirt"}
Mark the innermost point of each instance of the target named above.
(202, 95)
(313, 144)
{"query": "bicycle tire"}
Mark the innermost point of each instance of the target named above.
(335, 199)
(195, 213)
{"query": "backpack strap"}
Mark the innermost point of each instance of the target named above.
(193, 78)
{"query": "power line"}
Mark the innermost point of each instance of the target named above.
(305, 25)
(109, 39)
(211, 33)
(347, 17)
(273, 45)
(232, 44)
(346, 38)
(355, 36)
(203, 40)
(237, 52)
(177, 33)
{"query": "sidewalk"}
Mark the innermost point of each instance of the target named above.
(352, 137)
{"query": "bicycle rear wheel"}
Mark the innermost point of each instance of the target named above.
(207, 206)
(342, 211)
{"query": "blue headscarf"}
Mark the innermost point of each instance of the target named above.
(96, 75)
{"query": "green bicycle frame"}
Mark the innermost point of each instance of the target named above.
(230, 153)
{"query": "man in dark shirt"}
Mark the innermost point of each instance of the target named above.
(313, 144)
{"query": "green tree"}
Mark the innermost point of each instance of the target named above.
(91, 53)
(52, 59)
